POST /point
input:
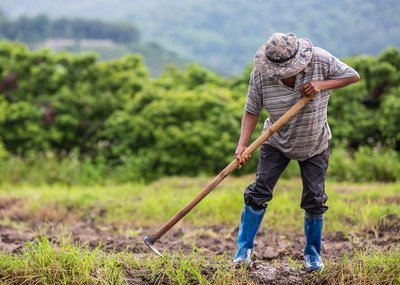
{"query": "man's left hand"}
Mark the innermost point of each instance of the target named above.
(312, 88)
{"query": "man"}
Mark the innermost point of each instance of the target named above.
(287, 68)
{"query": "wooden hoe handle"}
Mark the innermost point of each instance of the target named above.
(226, 171)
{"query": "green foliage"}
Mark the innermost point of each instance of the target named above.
(73, 169)
(3, 151)
(60, 101)
(376, 165)
(341, 165)
(175, 133)
(350, 120)
(23, 119)
(389, 119)
(366, 113)
(367, 164)
(111, 118)
(50, 168)
(391, 55)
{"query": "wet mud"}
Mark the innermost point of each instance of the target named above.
(276, 256)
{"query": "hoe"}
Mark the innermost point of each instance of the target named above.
(152, 239)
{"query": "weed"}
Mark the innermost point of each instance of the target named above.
(59, 262)
(367, 267)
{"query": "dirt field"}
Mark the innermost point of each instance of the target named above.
(93, 220)
(273, 251)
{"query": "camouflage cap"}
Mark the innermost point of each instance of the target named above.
(283, 55)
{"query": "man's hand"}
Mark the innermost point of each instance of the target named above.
(312, 88)
(249, 122)
(238, 155)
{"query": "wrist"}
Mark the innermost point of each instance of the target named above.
(241, 146)
(324, 85)
(243, 142)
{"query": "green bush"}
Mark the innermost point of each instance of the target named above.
(49, 168)
(366, 164)
(376, 165)
(341, 165)
(110, 119)
(187, 133)
(389, 119)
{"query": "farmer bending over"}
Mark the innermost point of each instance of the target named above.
(287, 68)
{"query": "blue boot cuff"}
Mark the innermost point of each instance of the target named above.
(250, 209)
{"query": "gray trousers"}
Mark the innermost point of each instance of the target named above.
(271, 165)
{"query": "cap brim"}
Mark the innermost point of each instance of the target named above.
(287, 69)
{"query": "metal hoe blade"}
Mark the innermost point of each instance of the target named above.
(150, 243)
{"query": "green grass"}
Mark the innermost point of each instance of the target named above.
(194, 268)
(352, 207)
(45, 262)
(61, 262)
(367, 267)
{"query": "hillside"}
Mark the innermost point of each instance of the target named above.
(110, 39)
(224, 35)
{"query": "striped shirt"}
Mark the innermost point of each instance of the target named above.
(307, 133)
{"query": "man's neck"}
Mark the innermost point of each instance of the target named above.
(290, 81)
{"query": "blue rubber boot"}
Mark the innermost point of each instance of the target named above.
(313, 233)
(249, 224)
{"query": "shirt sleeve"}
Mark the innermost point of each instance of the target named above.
(254, 95)
(337, 69)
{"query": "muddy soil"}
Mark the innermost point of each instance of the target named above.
(272, 255)
(273, 250)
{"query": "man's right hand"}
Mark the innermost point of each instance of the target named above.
(249, 122)
(238, 155)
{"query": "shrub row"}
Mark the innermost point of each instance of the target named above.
(367, 164)
(112, 117)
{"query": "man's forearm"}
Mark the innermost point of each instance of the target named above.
(339, 83)
(312, 88)
(249, 123)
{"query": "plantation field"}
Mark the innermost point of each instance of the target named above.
(93, 235)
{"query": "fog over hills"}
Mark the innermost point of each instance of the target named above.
(224, 35)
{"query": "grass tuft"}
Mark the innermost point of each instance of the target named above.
(59, 261)
(366, 267)
(42, 261)
(179, 268)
